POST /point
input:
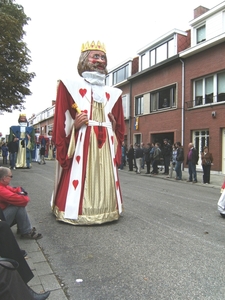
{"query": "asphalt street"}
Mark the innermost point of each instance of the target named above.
(168, 243)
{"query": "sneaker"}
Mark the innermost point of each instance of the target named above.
(194, 181)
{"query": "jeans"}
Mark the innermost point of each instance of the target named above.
(4, 160)
(206, 173)
(138, 164)
(192, 171)
(178, 170)
(19, 214)
(172, 164)
(166, 164)
(143, 162)
(12, 158)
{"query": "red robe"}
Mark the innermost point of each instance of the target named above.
(87, 189)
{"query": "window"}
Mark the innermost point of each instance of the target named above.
(201, 139)
(152, 57)
(170, 48)
(137, 139)
(126, 106)
(221, 87)
(161, 53)
(145, 61)
(163, 99)
(198, 92)
(158, 54)
(210, 89)
(50, 128)
(154, 101)
(139, 105)
(120, 74)
(200, 34)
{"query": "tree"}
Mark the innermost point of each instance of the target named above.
(14, 57)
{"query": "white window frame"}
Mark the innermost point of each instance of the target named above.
(126, 105)
(202, 95)
(197, 31)
(140, 109)
(157, 100)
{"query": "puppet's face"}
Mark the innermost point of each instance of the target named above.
(97, 61)
(22, 119)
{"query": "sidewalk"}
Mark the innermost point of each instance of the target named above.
(44, 278)
(216, 179)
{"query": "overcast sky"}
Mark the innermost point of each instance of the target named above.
(58, 28)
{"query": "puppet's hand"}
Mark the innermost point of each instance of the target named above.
(113, 121)
(81, 119)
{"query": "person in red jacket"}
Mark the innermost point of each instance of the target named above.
(13, 202)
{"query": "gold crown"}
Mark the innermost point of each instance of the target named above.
(92, 46)
(22, 115)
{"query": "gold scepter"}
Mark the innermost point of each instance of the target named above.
(75, 106)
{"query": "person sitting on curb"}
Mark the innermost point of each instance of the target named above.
(9, 249)
(13, 202)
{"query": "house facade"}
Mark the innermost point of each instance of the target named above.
(175, 87)
(42, 123)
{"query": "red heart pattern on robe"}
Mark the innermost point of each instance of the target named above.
(82, 92)
(112, 139)
(75, 183)
(117, 184)
(107, 96)
(78, 158)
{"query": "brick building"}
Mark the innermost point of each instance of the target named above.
(177, 91)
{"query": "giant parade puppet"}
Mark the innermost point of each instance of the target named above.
(88, 133)
(25, 138)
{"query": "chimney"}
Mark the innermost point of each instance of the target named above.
(199, 11)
